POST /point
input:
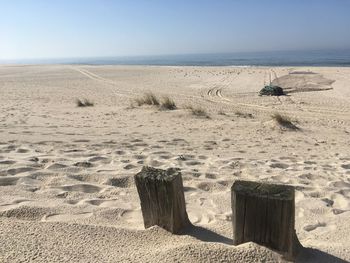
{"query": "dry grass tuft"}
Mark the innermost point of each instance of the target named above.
(147, 99)
(197, 111)
(284, 121)
(167, 104)
(84, 103)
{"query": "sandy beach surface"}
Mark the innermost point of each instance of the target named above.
(66, 173)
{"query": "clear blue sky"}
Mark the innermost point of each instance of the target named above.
(95, 28)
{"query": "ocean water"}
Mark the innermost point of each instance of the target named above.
(277, 58)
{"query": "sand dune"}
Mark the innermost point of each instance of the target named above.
(66, 173)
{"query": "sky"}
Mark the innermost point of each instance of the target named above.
(31, 29)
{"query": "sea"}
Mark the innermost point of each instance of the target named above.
(327, 58)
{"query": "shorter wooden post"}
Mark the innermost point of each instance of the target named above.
(264, 214)
(162, 198)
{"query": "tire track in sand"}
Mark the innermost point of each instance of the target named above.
(110, 83)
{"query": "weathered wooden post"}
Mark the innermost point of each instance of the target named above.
(264, 214)
(162, 198)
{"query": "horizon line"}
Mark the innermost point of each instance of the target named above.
(169, 55)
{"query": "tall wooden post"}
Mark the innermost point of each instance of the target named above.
(162, 198)
(264, 214)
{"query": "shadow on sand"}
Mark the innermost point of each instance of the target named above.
(305, 254)
(317, 256)
(207, 235)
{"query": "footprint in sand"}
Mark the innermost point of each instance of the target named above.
(122, 182)
(70, 202)
(33, 159)
(156, 147)
(7, 162)
(279, 165)
(101, 202)
(193, 163)
(210, 176)
(65, 217)
(21, 150)
(56, 166)
(129, 167)
(345, 166)
(83, 164)
(19, 170)
(139, 156)
(309, 228)
(84, 188)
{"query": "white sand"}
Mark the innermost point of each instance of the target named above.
(53, 209)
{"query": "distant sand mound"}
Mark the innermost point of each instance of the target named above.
(303, 81)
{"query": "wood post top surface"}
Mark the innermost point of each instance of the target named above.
(154, 174)
(276, 191)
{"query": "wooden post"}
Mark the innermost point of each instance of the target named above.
(264, 214)
(162, 198)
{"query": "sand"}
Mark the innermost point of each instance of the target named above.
(66, 172)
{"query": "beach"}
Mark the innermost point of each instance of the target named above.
(66, 172)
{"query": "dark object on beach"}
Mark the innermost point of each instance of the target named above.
(264, 214)
(162, 199)
(83, 164)
(271, 90)
(84, 103)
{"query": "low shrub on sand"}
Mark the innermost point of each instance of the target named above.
(84, 103)
(197, 111)
(167, 104)
(284, 121)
